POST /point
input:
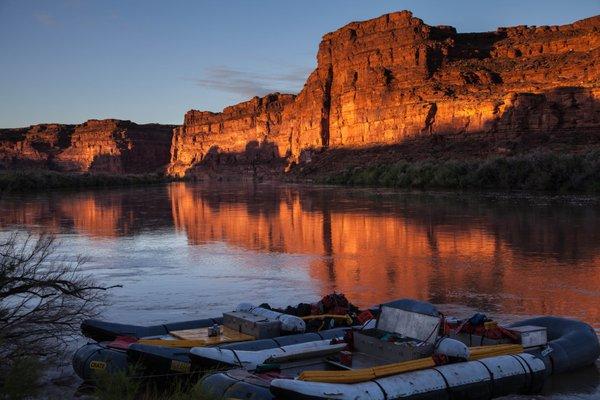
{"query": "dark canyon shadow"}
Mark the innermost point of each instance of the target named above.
(126, 148)
(262, 155)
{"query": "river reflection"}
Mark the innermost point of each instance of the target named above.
(495, 254)
(185, 251)
(181, 245)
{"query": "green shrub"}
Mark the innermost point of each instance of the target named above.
(448, 175)
(21, 380)
(31, 180)
(124, 385)
(116, 386)
(536, 171)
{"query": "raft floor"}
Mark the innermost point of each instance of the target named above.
(227, 335)
(359, 360)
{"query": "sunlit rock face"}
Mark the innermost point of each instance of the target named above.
(245, 133)
(35, 146)
(110, 146)
(381, 81)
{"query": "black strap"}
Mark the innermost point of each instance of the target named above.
(491, 378)
(385, 395)
(445, 381)
(526, 368)
(236, 356)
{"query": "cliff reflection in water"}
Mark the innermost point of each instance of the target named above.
(496, 254)
(528, 256)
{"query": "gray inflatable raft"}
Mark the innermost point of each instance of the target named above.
(571, 345)
(155, 360)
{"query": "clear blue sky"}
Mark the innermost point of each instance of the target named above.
(151, 61)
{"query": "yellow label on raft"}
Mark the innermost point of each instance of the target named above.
(180, 366)
(97, 365)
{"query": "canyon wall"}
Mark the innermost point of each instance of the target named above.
(379, 84)
(241, 134)
(110, 146)
(387, 80)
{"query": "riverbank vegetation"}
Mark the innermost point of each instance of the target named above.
(564, 173)
(32, 180)
(43, 298)
(124, 386)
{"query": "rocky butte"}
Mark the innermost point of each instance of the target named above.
(394, 87)
(109, 146)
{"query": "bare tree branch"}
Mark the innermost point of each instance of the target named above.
(43, 297)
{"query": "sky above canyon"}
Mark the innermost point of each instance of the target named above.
(68, 61)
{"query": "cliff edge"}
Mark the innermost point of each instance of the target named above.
(394, 83)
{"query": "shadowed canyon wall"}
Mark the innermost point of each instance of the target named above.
(110, 146)
(389, 79)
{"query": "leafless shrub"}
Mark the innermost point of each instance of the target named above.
(43, 297)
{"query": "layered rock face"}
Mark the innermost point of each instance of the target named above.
(383, 81)
(244, 133)
(110, 146)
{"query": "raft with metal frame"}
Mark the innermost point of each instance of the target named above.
(490, 371)
(163, 361)
(163, 349)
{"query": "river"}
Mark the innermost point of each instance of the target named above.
(184, 251)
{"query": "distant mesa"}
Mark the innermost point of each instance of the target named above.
(108, 146)
(384, 82)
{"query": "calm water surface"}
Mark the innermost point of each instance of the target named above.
(184, 251)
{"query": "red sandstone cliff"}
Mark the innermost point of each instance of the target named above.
(391, 83)
(394, 78)
(110, 146)
(244, 133)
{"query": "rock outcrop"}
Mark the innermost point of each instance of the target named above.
(241, 134)
(389, 79)
(110, 146)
